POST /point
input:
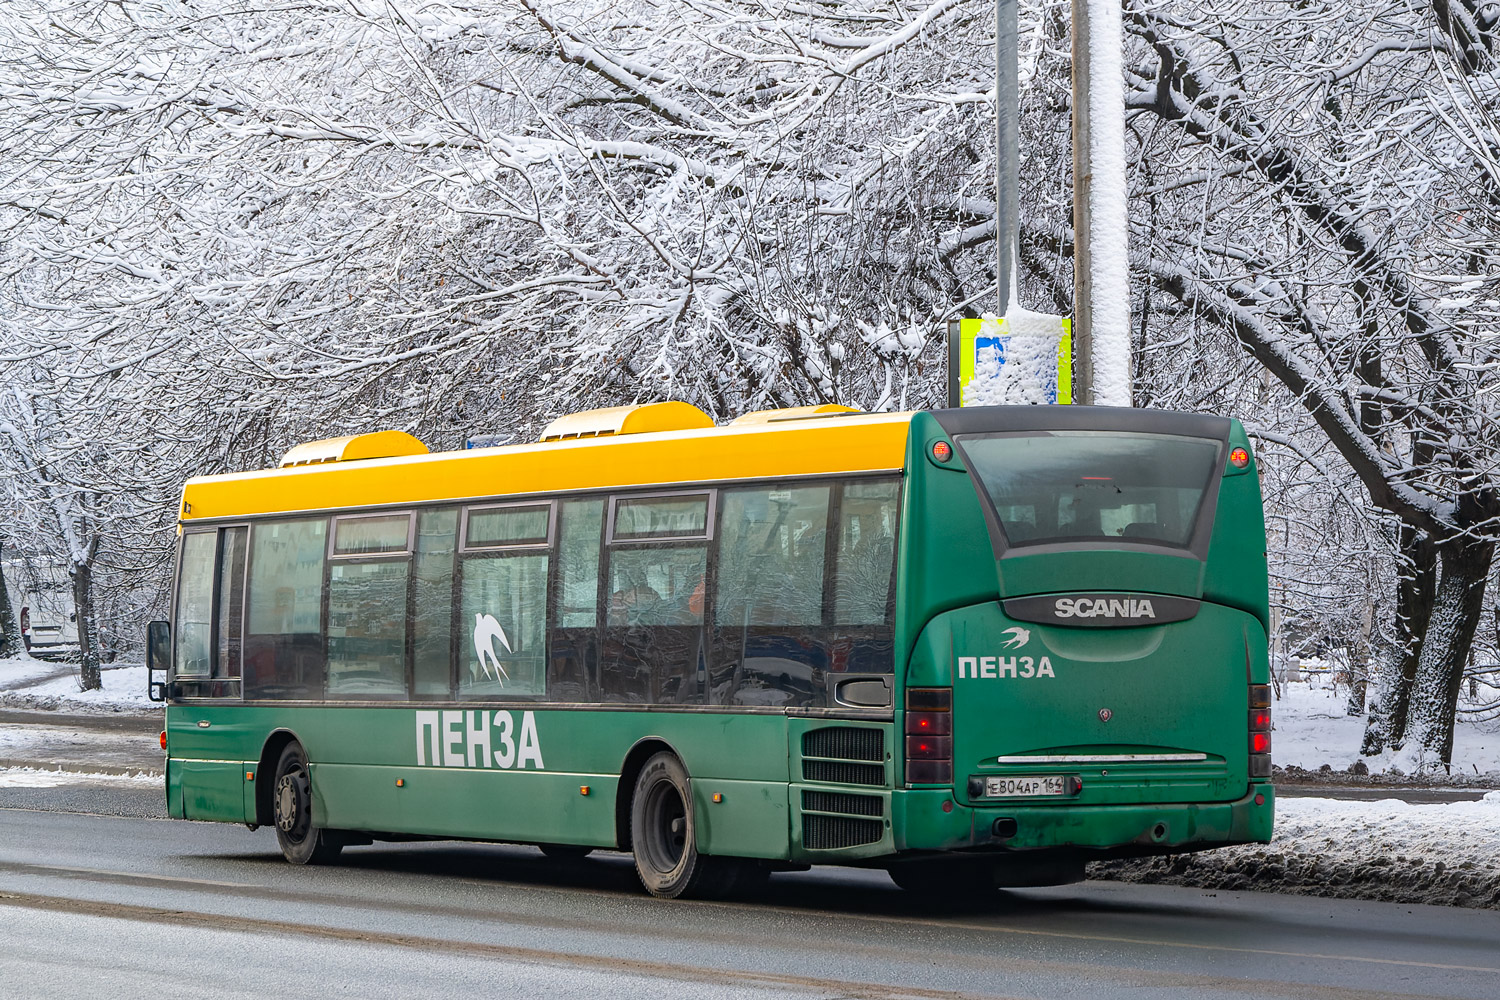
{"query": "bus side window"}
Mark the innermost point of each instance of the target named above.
(502, 627)
(574, 638)
(771, 643)
(368, 569)
(866, 553)
(771, 555)
(432, 603)
(284, 633)
(231, 611)
(195, 597)
(655, 649)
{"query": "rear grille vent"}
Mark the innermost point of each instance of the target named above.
(824, 833)
(843, 802)
(842, 773)
(844, 750)
(845, 743)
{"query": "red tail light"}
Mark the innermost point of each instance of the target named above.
(929, 723)
(1260, 730)
(929, 736)
(163, 739)
(929, 747)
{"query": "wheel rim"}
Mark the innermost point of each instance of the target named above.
(666, 827)
(291, 809)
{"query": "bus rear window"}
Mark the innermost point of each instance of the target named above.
(1094, 486)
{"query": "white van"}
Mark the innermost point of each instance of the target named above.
(42, 601)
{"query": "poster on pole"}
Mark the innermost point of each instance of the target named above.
(1021, 359)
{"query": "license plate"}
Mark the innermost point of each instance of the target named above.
(1028, 784)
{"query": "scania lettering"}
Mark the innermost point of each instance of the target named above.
(1103, 608)
(974, 648)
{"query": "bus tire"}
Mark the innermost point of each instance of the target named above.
(662, 835)
(302, 841)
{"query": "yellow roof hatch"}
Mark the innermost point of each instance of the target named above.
(644, 418)
(792, 413)
(380, 444)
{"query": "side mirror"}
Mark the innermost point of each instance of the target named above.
(158, 658)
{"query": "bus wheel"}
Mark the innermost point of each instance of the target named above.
(565, 852)
(301, 842)
(661, 835)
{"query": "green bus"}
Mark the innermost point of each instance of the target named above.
(976, 648)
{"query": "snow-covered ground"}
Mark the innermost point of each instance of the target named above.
(35, 777)
(29, 683)
(1387, 850)
(1312, 728)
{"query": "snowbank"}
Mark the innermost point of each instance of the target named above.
(37, 684)
(1387, 850)
(31, 777)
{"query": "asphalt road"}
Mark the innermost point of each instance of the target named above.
(124, 906)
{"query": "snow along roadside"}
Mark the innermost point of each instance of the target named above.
(1387, 850)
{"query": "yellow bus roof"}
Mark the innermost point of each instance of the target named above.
(775, 450)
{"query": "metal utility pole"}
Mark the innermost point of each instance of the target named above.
(1101, 271)
(1007, 153)
(1007, 170)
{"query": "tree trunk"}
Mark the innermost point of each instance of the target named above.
(1416, 586)
(11, 643)
(1445, 648)
(1359, 659)
(88, 633)
(1387, 657)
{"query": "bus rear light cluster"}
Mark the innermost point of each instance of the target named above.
(1260, 730)
(929, 736)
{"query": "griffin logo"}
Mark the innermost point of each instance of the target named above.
(1018, 637)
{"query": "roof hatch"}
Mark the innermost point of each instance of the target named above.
(641, 419)
(380, 444)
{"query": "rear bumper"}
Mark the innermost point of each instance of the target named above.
(920, 823)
